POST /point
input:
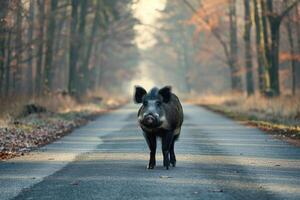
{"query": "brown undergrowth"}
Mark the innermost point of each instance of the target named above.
(22, 131)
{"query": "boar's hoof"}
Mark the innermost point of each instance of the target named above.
(167, 164)
(151, 166)
(173, 163)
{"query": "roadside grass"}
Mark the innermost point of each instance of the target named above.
(279, 116)
(12, 108)
(22, 131)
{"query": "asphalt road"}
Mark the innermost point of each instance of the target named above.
(217, 158)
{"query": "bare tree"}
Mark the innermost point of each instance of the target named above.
(40, 47)
(275, 20)
(49, 46)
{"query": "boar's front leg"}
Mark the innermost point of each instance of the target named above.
(166, 144)
(151, 141)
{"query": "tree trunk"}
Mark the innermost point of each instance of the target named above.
(30, 49)
(274, 57)
(8, 60)
(248, 49)
(297, 70)
(73, 49)
(99, 67)
(236, 80)
(185, 64)
(17, 72)
(40, 48)
(82, 81)
(260, 49)
(292, 52)
(267, 47)
(90, 42)
(49, 47)
(60, 43)
(59, 68)
(275, 22)
(3, 31)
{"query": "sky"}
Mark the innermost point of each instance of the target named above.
(149, 13)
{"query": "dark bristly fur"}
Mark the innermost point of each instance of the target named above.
(163, 110)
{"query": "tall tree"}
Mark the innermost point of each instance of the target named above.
(275, 20)
(260, 50)
(40, 47)
(40, 35)
(73, 48)
(8, 62)
(297, 72)
(90, 41)
(49, 46)
(248, 48)
(17, 71)
(82, 69)
(3, 34)
(30, 49)
(231, 50)
(234, 65)
(292, 50)
(59, 68)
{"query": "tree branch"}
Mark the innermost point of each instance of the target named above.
(213, 31)
(288, 9)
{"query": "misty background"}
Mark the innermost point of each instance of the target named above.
(80, 47)
(169, 50)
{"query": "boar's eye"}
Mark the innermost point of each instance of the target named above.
(158, 103)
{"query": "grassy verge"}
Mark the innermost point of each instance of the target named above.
(278, 116)
(22, 131)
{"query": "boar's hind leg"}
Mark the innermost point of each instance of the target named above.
(151, 141)
(172, 152)
(166, 145)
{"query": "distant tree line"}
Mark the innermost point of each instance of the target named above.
(71, 45)
(266, 23)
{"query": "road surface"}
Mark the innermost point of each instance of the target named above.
(217, 158)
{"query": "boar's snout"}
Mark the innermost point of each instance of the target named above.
(150, 120)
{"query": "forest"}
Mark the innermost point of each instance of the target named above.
(237, 57)
(267, 25)
(89, 107)
(78, 46)
(73, 46)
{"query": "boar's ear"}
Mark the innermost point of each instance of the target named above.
(165, 92)
(139, 94)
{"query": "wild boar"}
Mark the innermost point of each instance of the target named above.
(160, 115)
